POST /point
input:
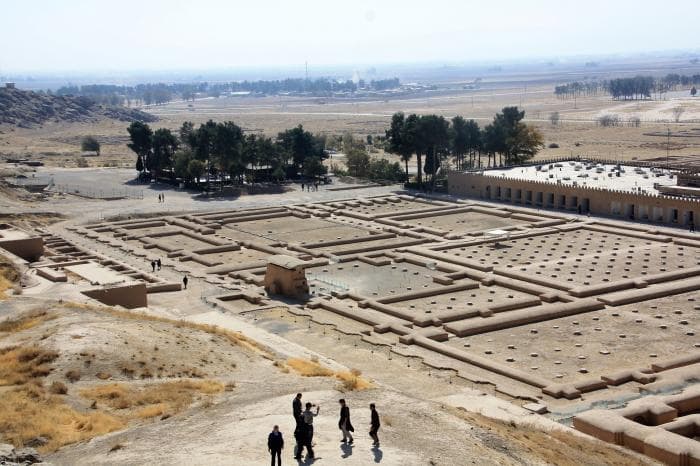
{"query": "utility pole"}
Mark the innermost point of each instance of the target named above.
(668, 145)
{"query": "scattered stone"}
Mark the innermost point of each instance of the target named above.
(536, 408)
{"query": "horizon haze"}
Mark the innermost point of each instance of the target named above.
(78, 36)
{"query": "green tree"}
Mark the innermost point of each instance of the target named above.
(382, 169)
(357, 162)
(140, 134)
(299, 144)
(185, 133)
(90, 144)
(313, 167)
(228, 149)
(433, 140)
(203, 141)
(164, 145)
(195, 169)
(459, 140)
(181, 162)
(474, 142)
(401, 137)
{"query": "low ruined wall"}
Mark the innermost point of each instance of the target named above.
(29, 249)
(129, 296)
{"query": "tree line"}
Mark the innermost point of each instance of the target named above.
(433, 139)
(221, 152)
(161, 93)
(638, 87)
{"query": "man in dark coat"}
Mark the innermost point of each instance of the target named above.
(275, 444)
(296, 407)
(344, 423)
(374, 425)
(301, 434)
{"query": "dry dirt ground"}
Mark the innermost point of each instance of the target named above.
(159, 391)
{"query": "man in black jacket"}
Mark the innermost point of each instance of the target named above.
(344, 423)
(374, 425)
(275, 444)
(296, 407)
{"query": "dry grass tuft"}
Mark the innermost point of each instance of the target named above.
(18, 365)
(58, 388)
(152, 400)
(73, 375)
(9, 276)
(28, 412)
(307, 368)
(25, 322)
(350, 380)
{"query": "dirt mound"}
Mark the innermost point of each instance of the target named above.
(27, 108)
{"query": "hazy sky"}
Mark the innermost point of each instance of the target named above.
(87, 35)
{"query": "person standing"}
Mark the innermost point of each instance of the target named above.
(158, 263)
(299, 428)
(153, 265)
(184, 281)
(302, 186)
(374, 424)
(275, 444)
(301, 434)
(296, 407)
(309, 420)
(344, 423)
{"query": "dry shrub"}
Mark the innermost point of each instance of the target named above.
(352, 380)
(28, 412)
(18, 365)
(308, 368)
(151, 411)
(9, 276)
(73, 375)
(281, 366)
(25, 322)
(58, 388)
(154, 399)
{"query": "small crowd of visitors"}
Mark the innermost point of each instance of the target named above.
(304, 430)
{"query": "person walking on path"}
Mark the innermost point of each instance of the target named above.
(309, 420)
(158, 263)
(374, 425)
(275, 444)
(344, 423)
(153, 265)
(184, 281)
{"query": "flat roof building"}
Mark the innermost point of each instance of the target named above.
(633, 191)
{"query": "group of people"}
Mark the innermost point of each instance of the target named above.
(309, 186)
(156, 264)
(304, 430)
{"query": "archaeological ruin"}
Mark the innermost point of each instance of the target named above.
(561, 313)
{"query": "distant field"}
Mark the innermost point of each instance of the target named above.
(577, 133)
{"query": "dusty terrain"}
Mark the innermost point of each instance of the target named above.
(165, 387)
